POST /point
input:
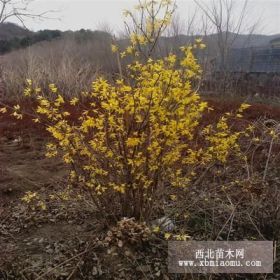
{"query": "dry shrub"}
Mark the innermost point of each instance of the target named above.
(70, 63)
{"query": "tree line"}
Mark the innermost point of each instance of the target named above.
(15, 43)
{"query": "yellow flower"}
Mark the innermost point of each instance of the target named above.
(129, 50)
(42, 205)
(3, 110)
(59, 101)
(27, 92)
(244, 106)
(202, 46)
(167, 235)
(156, 229)
(182, 237)
(66, 114)
(17, 107)
(114, 48)
(29, 196)
(38, 90)
(132, 142)
(53, 88)
(74, 101)
(18, 116)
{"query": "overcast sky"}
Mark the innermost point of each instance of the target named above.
(90, 14)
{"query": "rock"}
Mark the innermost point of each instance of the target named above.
(164, 223)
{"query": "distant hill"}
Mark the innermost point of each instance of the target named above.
(13, 37)
(10, 30)
(245, 41)
(240, 40)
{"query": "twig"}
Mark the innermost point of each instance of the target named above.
(250, 218)
(75, 268)
(268, 158)
(51, 270)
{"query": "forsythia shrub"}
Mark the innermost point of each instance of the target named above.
(135, 136)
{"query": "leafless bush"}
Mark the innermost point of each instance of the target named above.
(69, 63)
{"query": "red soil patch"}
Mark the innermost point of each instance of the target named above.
(10, 126)
(255, 112)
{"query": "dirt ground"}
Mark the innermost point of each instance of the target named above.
(23, 167)
(33, 240)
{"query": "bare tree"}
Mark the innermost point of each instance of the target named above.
(105, 27)
(226, 18)
(177, 26)
(220, 14)
(18, 9)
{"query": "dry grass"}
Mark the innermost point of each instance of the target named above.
(69, 63)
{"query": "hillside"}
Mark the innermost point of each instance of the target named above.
(9, 31)
(240, 40)
(13, 37)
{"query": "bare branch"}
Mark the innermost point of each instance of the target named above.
(19, 9)
(228, 19)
